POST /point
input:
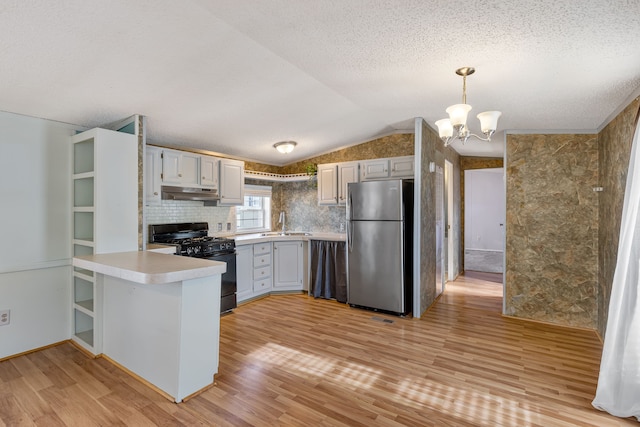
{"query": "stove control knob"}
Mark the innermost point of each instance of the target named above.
(196, 250)
(189, 251)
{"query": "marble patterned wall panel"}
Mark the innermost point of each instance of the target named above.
(300, 203)
(389, 146)
(432, 150)
(614, 144)
(552, 228)
(262, 167)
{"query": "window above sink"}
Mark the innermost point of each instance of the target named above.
(255, 215)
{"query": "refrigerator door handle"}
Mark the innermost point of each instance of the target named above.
(349, 227)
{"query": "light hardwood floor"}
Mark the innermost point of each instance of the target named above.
(293, 360)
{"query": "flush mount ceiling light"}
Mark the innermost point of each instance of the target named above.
(458, 117)
(285, 146)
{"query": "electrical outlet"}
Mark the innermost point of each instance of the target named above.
(219, 226)
(342, 227)
(5, 317)
(228, 226)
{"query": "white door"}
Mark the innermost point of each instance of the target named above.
(484, 216)
(449, 241)
(440, 230)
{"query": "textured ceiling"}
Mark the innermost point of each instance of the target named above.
(237, 76)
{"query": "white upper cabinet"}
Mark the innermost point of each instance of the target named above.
(186, 169)
(333, 178)
(402, 167)
(394, 167)
(328, 184)
(347, 173)
(180, 168)
(209, 171)
(374, 169)
(231, 182)
(152, 174)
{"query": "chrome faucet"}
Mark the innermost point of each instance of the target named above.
(281, 220)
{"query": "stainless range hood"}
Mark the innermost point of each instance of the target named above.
(208, 195)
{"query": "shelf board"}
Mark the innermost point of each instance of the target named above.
(84, 175)
(86, 337)
(89, 209)
(85, 306)
(81, 274)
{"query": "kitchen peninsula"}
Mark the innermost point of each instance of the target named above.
(159, 317)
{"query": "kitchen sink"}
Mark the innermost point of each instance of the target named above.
(286, 233)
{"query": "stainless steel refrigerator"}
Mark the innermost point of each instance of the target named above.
(380, 245)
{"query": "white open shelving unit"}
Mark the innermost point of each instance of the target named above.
(105, 218)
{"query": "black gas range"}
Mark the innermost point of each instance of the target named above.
(192, 240)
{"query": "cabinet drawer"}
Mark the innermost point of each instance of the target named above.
(262, 285)
(261, 260)
(262, 248)
(261, 273)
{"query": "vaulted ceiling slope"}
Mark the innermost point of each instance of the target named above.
(235, 76)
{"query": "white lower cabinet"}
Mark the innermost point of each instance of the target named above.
(253, 270)
(288, 266)
(244, 272)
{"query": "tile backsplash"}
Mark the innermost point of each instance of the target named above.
(172, 211)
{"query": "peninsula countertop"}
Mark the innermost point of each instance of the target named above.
(149, 267)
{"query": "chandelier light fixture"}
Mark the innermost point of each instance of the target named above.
(458, 117)
(285, 147)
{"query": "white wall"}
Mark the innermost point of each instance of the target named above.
(484, 211)
(35, 216)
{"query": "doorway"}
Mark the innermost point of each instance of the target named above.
(484, 220)
(449, 268)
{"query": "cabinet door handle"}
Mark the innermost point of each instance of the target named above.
(180, 175)
(204, 177)
(155, 193)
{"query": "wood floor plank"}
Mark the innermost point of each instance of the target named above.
(292, 360)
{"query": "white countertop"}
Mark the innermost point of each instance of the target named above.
(247, 239)
(150, 267)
